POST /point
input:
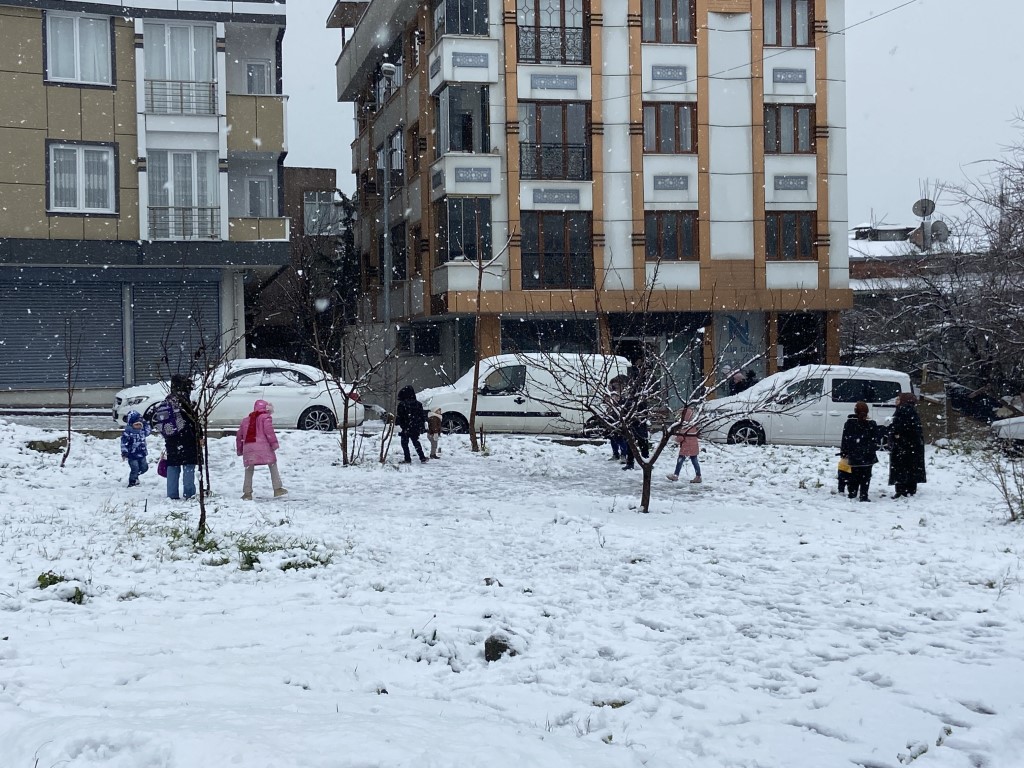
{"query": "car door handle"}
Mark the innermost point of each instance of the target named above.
(519, 400)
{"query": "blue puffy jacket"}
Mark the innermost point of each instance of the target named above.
(133, 441)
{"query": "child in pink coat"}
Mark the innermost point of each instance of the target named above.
(256, 443)
(688, 445)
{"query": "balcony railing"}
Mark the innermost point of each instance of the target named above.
(554, 161)
(168, 222)
(554, 45)
(178, 97)
(552, 271)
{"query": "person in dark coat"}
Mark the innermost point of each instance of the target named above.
(410, 419)
(859, 447)
(906, 447)
(182, 447)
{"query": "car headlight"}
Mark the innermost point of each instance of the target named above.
(136, 400)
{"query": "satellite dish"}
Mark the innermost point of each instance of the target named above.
(940, 232)
(924, 208)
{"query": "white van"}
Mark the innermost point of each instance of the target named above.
(807, 405)
(538, 392)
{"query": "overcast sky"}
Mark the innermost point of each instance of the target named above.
(932, 88)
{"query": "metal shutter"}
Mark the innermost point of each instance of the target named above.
(168, 323)
(34, 321)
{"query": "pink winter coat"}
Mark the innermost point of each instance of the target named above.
(687, 438)
(259, 450)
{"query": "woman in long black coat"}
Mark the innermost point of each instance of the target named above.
(906, 440)
(860, 438)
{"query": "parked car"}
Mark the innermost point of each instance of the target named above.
(530, 392)
(1010, 430)
(304, 397)
(807, 405)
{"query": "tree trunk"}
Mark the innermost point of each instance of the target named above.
(645, 495)
(473, 444)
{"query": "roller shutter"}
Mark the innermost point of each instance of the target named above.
(169, 321)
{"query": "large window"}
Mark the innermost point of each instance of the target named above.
(789, 235)
(788, 23)
(460, 17)
(788, 129)
(184, 195)
(557, 249)
(257, 77)
(553, 31)
(259, 199)
(670, 128)
(78, 49)
(320, 216)
(669, 21)
(462, 116)
(180, 70)
(671, 236)
(82, 178)
(553, 140)
(464, 228)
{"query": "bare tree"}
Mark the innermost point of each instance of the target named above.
(72, 358)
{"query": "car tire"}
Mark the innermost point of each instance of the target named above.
(746, 433)
(454, 424)
(317, 418)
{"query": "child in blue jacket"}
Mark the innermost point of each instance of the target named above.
(133, 446)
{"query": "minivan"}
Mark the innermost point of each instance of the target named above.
(807, 405)
(537, 392)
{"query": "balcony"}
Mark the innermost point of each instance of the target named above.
(179, 97)
(249, 229)
(256, 123)
(554, 45)
(570, 162)
(167, 222)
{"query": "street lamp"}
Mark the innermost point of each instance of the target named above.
(387, 71)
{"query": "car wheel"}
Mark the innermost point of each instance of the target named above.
(454, 424)
(318, 418)
(595, 429)
(746, 433)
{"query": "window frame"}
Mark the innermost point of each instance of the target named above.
(482, 223)
(532, 47)
(653, 241)
(535, 243)
(316, 201)
(659, 137)
(440, 15)
(268, 70)
(802, 251)
(48, 47)
(773, 125)
(773, 33)
(532, 126)
(654, 10)
(80, 147)
(266, 203)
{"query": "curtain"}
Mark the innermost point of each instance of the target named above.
(98, 179)
(159, 195)
(203, 54)
(155, 37)
(64, 177)
(94, 50)
(61, 47)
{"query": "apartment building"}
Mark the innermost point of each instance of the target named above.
(141, 148)
(593, 158)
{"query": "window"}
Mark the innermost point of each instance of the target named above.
(670, 129)
(396, 143)
(788, 23)
(419, 339)
(184, 194)
(669, 21)
(868, 390)
(285, 377)
(789, 235)
(557, 250)
(802, 391)
(258, 200)
(460, 17)
(257, 78)
(671, 236)
(462, 118)
(399, 253)
(319, 213)
(553, 31)
(788, 129)
(414, 150)
(79, 49)
(464, 229)
(554, 140)
(180, 71)
(82, 178)
(505, 381)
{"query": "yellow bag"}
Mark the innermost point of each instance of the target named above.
(844, 465)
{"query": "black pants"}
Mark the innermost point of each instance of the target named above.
(860, 479)
(905, 489)
(416, 443)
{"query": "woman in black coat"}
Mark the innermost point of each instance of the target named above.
(906, 447)
(859, 447)
(182, 441)
(411, 418)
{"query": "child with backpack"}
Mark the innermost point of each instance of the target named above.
(133, 447)
(256, 442)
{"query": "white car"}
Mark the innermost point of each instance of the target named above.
(1009, 429)
(303, 397)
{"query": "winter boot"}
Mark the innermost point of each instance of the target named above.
(246, 497)
(673, 478)
(278, 492)
(697, 480)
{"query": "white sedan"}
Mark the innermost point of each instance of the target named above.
(303, 397)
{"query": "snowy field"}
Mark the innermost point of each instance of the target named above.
(757, 620)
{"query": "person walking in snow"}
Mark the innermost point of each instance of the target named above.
(410, 419)
(256, 442)
(689, 446)
(860, 438)
(906, 447)
(175, 418)
(133, 447)
(434, 432)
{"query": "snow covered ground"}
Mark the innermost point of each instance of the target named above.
(756, 620)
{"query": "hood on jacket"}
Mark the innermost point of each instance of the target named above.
(407, 393)
(262, 406)
(133, 416)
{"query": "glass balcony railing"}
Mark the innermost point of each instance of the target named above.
(554, 161)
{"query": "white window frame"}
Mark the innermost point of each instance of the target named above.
(50, 47)
(319, 213)
(193, 229)
(268, 71)
(79, 149)
(267, 204)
